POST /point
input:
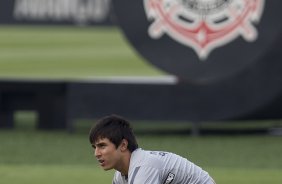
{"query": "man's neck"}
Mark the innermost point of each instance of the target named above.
(123, 166)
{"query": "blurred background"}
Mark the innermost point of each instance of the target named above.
(65, 63)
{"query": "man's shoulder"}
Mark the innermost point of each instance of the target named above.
(150, 159)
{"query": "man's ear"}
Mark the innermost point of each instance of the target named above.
(123, 145)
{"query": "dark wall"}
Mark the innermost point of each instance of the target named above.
(59, 103)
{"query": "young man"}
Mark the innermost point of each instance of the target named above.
(115, 147)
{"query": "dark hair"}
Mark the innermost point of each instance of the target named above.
(115, 128)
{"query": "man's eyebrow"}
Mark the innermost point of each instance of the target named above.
(98, 144)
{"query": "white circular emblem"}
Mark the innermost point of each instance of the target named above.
(204, 24)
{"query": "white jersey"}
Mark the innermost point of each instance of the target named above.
(156, 167)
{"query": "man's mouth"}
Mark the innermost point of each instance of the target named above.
(101, 162)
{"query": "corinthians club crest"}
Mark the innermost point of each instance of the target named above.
(204, 24)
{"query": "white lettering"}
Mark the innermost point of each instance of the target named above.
(78, 11)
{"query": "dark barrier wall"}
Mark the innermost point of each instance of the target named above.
(60, 103)
(78, 12)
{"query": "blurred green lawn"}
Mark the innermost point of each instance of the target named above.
(68, 52)
(32, 157)
(28, 156)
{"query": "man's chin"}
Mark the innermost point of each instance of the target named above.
(107, 168)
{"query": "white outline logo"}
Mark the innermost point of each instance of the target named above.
(169, 178)
(204, 25)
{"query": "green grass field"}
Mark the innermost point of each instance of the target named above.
(31, 157)
(28, 156)
(68, 52)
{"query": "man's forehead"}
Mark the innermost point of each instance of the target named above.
(101, 140)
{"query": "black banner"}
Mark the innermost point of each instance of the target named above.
(77, 12)
(228, 53)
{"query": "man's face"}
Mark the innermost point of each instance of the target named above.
(107, 154)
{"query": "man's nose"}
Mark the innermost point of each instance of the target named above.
(97, 153)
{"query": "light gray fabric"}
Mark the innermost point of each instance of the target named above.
(157, 167)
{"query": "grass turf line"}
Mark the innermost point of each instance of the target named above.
(62, 52)
(73, 174)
